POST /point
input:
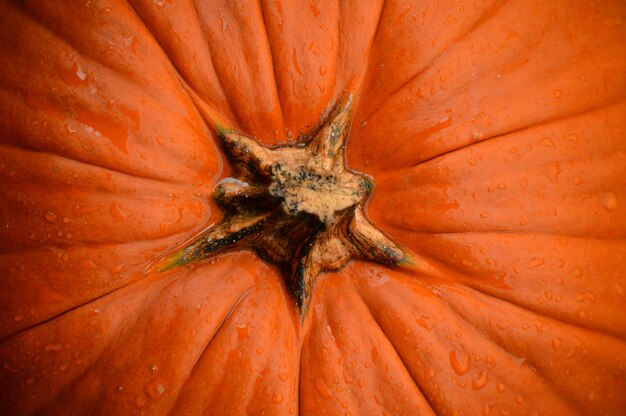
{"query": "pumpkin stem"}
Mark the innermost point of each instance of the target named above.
(298, 207)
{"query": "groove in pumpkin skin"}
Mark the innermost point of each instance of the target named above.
(298, 207)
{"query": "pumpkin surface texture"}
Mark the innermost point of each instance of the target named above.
(183, 231)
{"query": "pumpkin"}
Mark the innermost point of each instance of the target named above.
(495, 135)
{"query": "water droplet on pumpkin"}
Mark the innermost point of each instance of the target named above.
(140, 402)
(80, 73)
(52, 348)
(50, 216)
(547, 142)
(128, 41)
(608, 200)
(585, 297)
(277, 398)
(155, 389)
(87, 264)
(523, 183)
(460, 362)
(481, 381)
(242, 330)
(421, 322)
(555, 171)
(321, 387)
(556, 343)
(489, 360)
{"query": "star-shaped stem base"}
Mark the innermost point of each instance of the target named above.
(297, 206)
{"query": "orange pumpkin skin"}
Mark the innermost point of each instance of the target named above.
(495, 132)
